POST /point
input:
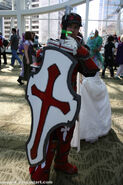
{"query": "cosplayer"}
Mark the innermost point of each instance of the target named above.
(95, 112)
(95, 43)
(109, 49)
(60, 139)
(119, 59)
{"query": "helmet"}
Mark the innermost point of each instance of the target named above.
(72, 18)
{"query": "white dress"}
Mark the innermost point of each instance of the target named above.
(95, 112)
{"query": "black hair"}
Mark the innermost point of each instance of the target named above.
(28, 35)
(110, 38)
(14, 30)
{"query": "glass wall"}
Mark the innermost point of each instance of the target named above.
(104, 15)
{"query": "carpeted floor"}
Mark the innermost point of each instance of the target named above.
(100, 163)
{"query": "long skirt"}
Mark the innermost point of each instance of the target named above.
(95, 113)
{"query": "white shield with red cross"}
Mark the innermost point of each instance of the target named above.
(52, 100)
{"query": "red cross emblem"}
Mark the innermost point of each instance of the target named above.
(47, 101)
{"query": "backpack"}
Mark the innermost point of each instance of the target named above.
(5, 42)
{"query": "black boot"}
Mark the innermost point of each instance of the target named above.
(19, 81)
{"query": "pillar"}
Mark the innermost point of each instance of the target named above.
(20, 5)
(118, 23)
(86, 21)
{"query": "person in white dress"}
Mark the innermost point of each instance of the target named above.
(95, 113)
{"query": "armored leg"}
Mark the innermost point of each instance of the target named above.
(61, 160)
(40, 172)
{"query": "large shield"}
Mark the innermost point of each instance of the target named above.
(52, 100)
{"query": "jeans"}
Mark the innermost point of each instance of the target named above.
(15, 56)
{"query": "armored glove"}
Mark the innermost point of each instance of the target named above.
(71, 43)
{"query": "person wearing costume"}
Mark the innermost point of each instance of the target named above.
(109, 49)
(58, 145)
(95, 43)
(119, 59)
(95, 113)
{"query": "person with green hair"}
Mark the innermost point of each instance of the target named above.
(95, 43)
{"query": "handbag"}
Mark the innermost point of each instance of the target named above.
(5, 42)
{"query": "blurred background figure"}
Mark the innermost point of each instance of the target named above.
(3, 44)
(14, 42)
(29, 52)
(95, 43)
(36, 43)
(109, 49)
(21, 45)
(116, 42)
(119, 59)
(21, 51)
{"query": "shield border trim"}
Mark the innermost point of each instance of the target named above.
(75, 95)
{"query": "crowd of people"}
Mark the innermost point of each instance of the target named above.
(113, 56)
(111, 59)
(22, 49)
(93, 90)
